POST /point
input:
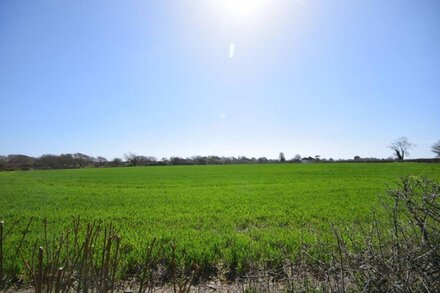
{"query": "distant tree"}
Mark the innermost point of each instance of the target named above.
(436, 149)
(16, 162)
(48, 162)
(317, 157)
(180, 161)
(116, 162)
(243, 160)
(77, 159)
(145, 160)
(70, 161)
(262, 160)
(297, 158)
(231, 160)
(357, 158)
(214, 160)
(3, 162)
(282, 157)
(131, 158)
(199, 160)
(401, 147)
(100, 161)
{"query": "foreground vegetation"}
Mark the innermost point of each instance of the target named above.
(222, 220)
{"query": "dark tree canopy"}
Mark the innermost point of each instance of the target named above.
(297, 158)
(436, 149)
(282, 158)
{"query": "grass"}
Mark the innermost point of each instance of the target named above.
(218, 215)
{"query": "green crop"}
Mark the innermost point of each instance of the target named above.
(219, 216)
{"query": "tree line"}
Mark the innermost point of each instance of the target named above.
(79, 160)
(400, 148)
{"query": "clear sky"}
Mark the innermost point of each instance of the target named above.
(233, 77)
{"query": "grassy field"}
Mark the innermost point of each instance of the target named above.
(217, 214)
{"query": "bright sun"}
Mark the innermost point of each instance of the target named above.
(240, 21)
(242, 8)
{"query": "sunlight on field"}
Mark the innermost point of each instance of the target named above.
(214, 212)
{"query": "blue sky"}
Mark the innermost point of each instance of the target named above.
(334, 78)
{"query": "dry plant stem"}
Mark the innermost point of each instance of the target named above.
(1, 254)
(11, 228)
(58, 280)
(29, 268)
(45, 237)
(89, 276)
(106, 265)
(23, 237)
(40, 271)
(341, 259)
(115, 263)
(56, 258)
(103, 256)
(146, 276)
(83, 265)
(173, 266)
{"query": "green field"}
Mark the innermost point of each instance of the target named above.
(217, 214)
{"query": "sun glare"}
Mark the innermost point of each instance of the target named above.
(240, 22)
(242, 8)
(239, 15)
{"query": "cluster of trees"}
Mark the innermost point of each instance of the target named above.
(136, 160)
(400, 148)
(78, 160)
(63, 161)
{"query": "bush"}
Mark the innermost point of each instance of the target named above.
(399, 255)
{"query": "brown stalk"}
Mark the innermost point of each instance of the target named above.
(103, 258)
(1, 253)
(28, 267)
(115, 263)
(173, 266)
(11, 228)
(56, 256)
(84, 259)
(107, 264)
(40, 270)
(147, 265)
(23, 237)
(341, 259)
(58, 280)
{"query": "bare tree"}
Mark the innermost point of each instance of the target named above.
(436, 148)
(401, 147)
(131, 158)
